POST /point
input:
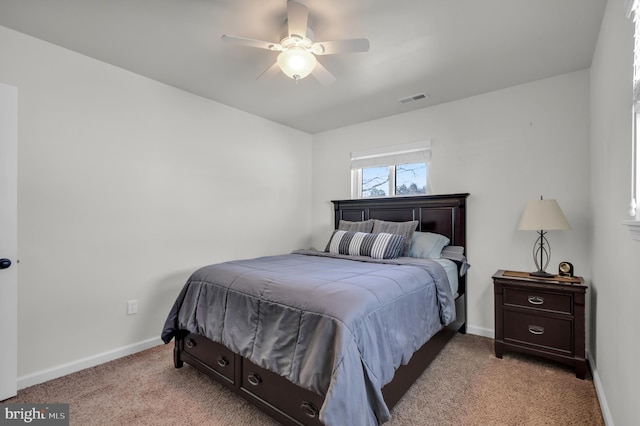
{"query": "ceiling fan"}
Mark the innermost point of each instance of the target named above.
(297, 58)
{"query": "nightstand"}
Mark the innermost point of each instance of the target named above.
(538, 316)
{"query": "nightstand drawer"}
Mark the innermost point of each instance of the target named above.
(533, 329)
(531, 298)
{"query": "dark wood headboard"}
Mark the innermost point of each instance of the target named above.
(442, 214)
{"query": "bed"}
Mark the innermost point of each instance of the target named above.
(330, 336)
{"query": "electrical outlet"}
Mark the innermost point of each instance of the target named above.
(132, 307)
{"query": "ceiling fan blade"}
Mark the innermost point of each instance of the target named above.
(260, 44)
(323, 75)
(297, 17)
(353, 45)
(269, 72)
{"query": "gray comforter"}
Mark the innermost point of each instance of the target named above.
(329, 323)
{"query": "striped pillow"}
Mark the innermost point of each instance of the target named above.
(377, 246)
(400, 228)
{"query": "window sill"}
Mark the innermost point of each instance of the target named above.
(634, 228)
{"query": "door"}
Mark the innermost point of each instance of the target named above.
(8, 241)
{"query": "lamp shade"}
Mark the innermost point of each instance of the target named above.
(296, 62)
(543, 215)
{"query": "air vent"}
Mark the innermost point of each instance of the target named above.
(412, 98)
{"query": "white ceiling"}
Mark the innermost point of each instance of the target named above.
(450, 49)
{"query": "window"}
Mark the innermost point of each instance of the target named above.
(633, 14)
(633, 8)
(400, 170)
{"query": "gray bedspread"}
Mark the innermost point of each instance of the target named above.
(329, 323)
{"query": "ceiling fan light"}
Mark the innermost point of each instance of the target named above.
(296, 62)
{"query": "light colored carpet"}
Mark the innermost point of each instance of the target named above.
(465, 385)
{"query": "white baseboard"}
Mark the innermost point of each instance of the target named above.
(604, 407)
(480, 331)
(81, 364)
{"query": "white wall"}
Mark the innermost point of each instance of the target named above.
(126, 186)
(616, 257)
(504, 148)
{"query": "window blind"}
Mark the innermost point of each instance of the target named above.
(416, 152)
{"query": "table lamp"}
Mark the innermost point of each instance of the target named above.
(542, 215)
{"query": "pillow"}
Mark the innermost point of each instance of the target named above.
(346, 225)
(400, 228)
(377, 246)
(364, 226)
(427, 245)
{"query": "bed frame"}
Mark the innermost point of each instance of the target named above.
(291, 405)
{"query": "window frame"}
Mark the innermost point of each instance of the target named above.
(356, 181)
(633, 9)
(389, 156)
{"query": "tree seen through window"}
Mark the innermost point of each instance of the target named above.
(410, 179)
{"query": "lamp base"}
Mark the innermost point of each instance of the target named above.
(541, 274)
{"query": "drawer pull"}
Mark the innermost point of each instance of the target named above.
(535, 300)
(309, 409)
(190, 343)
(254, 379)
(222, 361)
(536, 329)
